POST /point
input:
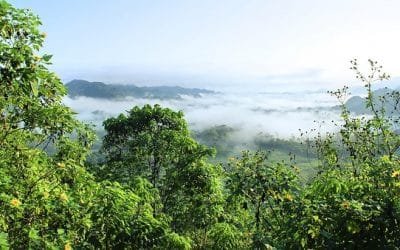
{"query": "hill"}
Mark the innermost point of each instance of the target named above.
(114, 91)
(357, 104)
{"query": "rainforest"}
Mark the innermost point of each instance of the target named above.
(146, 179)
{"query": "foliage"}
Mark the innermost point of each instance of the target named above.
(264, 190)
(156, 188)
(353, 202)
(293, 147)
(49, 200)
(154, 143)
(226, 236)
(148, 142)
(220, 138)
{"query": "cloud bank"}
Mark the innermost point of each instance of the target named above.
(280, 114)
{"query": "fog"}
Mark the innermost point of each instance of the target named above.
(280, 114)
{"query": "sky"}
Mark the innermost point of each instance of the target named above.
(213, 43)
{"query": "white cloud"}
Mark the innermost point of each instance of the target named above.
(280, 114)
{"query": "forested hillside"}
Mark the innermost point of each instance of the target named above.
(78, 88)
(154, 186)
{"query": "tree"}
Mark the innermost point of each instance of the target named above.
(261, 193)
(353, 202)
(155, 143)
(148, 142)
(151, 142)
(32, 116)
(47, 198)
(195, 200)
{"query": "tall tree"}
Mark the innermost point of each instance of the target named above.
(260, 194)
(47, 199)
(155, 143)
(150, 142)
(353, 203)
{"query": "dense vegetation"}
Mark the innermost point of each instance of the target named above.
(154, 186)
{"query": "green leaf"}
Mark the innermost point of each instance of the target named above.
(34, 88)
(33, 234)
(47, 58)
(3, 241)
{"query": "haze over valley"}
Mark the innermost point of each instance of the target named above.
(249, 112)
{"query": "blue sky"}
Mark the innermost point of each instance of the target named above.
(219, 42)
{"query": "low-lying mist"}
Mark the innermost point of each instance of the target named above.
(250, 114)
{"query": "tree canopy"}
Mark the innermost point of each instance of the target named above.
(155, 187)
(47, 198)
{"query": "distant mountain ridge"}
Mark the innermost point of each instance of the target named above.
(357, 104)
(78, 88)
